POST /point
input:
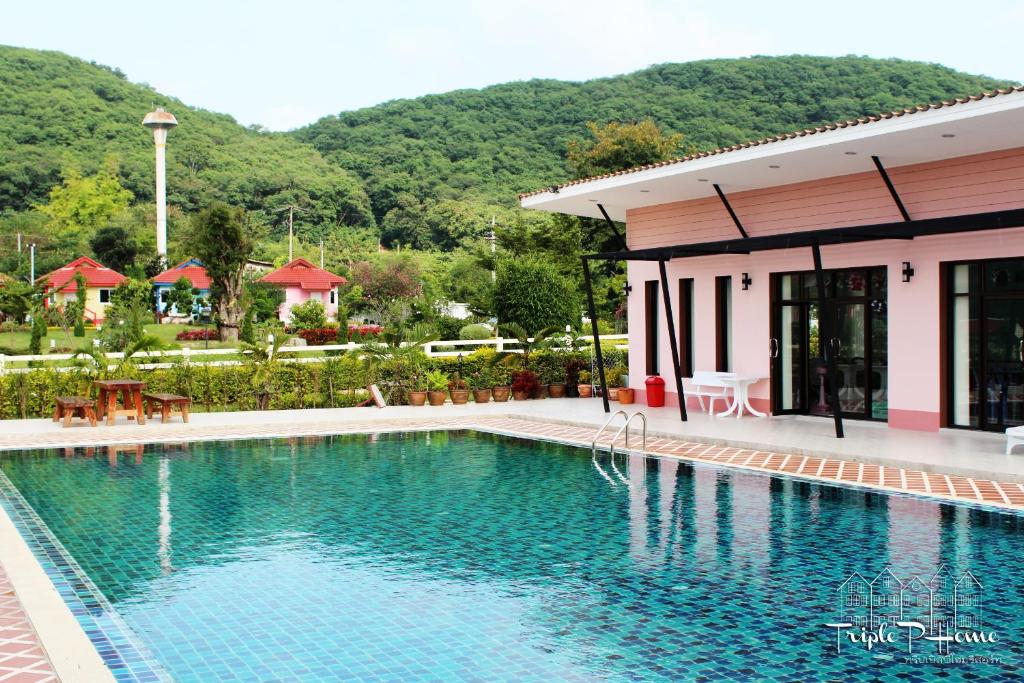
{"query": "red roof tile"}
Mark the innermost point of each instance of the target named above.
(785, 136)
(191, 269)
(301, 273)
(96, 275)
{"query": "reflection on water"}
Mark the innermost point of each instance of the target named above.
(471, 556)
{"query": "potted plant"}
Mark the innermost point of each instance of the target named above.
(437, 387)
(573, 366)
(524, 385)
(501, 376)
(614, 378)
(459, 390)
(556, 383)
(480, 382)
(584, 386)
(418, 390)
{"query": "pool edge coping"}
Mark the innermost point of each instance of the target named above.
(70, 651)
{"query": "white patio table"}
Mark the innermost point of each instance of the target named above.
(741, 394)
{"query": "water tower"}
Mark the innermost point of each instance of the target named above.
(160, 121)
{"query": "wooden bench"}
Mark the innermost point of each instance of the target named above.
(74, 406)
(166, 402)
(709, 384)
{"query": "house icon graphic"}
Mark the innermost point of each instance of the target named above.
(967, 602)
(854, 596)
(943, 613)
(886, 596)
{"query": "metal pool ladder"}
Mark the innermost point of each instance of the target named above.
(623, 428)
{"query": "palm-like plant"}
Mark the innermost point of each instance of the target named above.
(528, 344)
(262, 363)
(399, 361)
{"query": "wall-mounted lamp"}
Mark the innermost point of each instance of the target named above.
(626, 288)
(908, 271)
(746, 281)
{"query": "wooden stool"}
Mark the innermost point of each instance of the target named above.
(166, 402)
(74, 406)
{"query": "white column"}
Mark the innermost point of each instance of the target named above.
(160, 139)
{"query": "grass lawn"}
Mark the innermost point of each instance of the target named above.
(17, 342)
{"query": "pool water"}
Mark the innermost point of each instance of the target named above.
(469, 556)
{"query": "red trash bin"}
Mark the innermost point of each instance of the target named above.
(655, 391)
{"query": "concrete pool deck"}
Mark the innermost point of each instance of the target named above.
(40, 641)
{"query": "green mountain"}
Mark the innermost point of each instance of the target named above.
(428, 170)
(490, 144)
(55, 109)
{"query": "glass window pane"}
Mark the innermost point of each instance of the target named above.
(965, 357)
(1004, 276)
(850, 283)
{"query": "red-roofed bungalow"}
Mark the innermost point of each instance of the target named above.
(100, 281)
(192, 270)
(302, 281)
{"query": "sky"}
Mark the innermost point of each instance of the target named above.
(286, 63)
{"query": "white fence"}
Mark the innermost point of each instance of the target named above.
(63, 362)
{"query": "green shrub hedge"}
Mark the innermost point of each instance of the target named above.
(335, 382)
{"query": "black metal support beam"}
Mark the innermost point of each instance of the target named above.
(922, 227)
(673, 343)
(592, 310)
(732, 214)
(826, 340)
(892, 188)
(615, 229)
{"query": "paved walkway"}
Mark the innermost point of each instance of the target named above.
(22, 658)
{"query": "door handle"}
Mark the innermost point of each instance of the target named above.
(1020, 350)
(837, 345)
(773, 348)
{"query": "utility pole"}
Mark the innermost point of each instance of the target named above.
(19, 245)
(32, 263)
(492, 238)
(291, 231)
(321, 252)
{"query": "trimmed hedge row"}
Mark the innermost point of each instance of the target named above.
(335, 382)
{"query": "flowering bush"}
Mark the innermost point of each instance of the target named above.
(198, 335)
(358, 333)
(319, 336)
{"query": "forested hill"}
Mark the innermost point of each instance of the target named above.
(492, 143)
(55, 110)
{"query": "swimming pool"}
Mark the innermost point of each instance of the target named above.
(464, 555)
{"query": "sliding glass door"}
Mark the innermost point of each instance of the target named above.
(800, 380)
(986, 344)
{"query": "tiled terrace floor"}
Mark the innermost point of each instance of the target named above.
(22, 659)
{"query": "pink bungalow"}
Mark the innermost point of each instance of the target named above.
(871, 269)
(303, 281)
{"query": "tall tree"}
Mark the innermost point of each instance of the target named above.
(114, 247)
(81, 204)
(616, 146)
(222, 242)
(79, 312)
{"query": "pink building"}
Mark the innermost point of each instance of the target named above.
(302, 281)
(917, 218)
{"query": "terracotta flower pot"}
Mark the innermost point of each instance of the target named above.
(627, 396)
(437, 398)
(501, 394)
(586, 390)
(556, 390)
(613, 393)
(417, 398)
(520, 395)
(460, 396)
(482, 395)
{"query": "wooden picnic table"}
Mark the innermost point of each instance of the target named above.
(130, 391)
